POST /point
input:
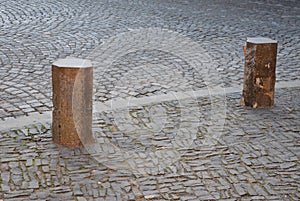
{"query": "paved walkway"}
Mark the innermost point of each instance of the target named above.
(167, 114)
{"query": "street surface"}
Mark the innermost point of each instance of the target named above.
(167, 117)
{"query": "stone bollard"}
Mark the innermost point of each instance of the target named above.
(72, 81)
(259, 75)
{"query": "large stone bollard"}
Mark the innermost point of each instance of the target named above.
(259, 76)
(72, 81)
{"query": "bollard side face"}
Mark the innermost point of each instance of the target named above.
(260, 73)
(72, 100)
(248, 90)
(82, 105)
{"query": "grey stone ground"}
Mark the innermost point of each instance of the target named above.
(255, 158)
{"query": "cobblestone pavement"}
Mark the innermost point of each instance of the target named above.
(256, 158)
(36, 33)
(170, 149)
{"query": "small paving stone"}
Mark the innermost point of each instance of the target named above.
(287, 165)
(16, 171)
(239, 189)
(5, 176)
(45, 169)
(81, 199)
(5, 187)
(76, 190)
(13, 164)
(37, 162)
(17, 179)
(16, 194)
(33, 184)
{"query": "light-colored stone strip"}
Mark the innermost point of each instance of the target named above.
(287, 84)
(120, 103)
(26, 120)
(123, 103)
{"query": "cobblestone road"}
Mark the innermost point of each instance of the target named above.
(253, 160)
(166, 155)
(34, 34)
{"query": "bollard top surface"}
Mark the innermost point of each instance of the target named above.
(71, 62)
(260, 40)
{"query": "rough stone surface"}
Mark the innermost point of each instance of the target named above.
(255, 158)
(33, 36)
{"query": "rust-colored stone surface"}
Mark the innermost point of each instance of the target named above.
(72, 81)
(259, 75)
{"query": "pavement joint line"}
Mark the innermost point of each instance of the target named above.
(123, 103)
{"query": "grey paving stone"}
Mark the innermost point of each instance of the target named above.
(287, 165)
(17, 194)
(33, 185)
(5, 187)
(13, 164)
(17, 179)
(5, 177)
(81, 199)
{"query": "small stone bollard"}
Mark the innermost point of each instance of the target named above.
(72, 81)
(259, 75)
